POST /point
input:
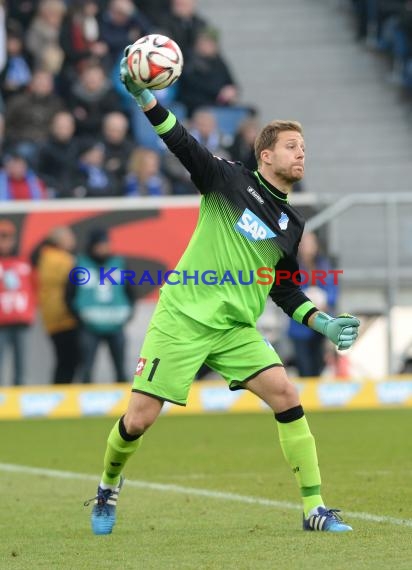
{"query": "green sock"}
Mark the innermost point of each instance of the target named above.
(118, 451)
(311, 498)
(299, 449)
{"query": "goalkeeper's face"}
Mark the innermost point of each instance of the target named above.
(287, 158)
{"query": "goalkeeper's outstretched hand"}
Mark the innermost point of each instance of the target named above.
(341, 330)
(142, 96)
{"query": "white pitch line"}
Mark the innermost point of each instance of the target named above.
(221, 495)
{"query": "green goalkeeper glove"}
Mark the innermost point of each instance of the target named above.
(141, 95)
(342, 330)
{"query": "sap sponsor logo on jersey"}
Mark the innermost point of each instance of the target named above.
(255, 194)
(252, 227)
(283, 221)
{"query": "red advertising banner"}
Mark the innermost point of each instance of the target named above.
(150, 233)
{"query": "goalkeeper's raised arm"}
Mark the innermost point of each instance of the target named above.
(206, 170)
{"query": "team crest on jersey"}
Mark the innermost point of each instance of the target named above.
(252, 227)
(283, 221)
(141, 363)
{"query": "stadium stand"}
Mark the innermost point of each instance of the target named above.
(75, 47)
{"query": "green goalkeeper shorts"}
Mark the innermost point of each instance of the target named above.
(176, 346)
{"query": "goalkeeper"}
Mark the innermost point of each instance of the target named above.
(245, 223)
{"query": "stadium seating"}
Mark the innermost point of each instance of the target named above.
(229, 118)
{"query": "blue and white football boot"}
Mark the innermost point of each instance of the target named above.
(325, 520)
(103, 516)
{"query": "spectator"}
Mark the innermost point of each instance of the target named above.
(122, 25)
(243, 146)
(92, 180)
(102, 309)
(42, 38)
(18, 181)
(204, 129)
(183, 25)
(16, 74)
(91, 99)
(80, 35)
(309, 346)
(178, 175)
(28, 115)
(144, 177)
(405, 16)
(404, 28)
(54, 259)
(17, 301)
(57, 158)
(22, 11)
(361, 10)
(206, 79)
(118, 147)
(155, 10)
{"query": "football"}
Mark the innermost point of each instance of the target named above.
(155, 62)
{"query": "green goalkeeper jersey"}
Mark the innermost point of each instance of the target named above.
(247, 235)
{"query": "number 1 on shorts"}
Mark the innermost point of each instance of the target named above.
(155, 363)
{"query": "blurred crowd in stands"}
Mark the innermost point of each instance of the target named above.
(68, 129)
(76, 320)
(386, 26)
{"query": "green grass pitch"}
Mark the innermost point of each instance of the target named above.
(366, 464)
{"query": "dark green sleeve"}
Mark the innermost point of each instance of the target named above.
(289, 296)
(207, 171)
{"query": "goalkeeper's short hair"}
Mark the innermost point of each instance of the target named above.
(268, 136)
